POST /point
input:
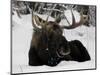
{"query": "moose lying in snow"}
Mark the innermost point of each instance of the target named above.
(49, 46)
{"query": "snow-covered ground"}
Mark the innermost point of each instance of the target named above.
(21, 38)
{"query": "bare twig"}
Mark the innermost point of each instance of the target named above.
(52, 9)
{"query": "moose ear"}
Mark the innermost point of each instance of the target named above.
(38, 22)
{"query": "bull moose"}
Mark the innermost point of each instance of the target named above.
(50, 47)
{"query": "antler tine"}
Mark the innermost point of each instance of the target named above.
(33, 23)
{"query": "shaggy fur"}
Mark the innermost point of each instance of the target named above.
(43, 50)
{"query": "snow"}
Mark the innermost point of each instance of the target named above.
(21, 37)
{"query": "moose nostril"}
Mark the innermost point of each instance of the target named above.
(65, 51)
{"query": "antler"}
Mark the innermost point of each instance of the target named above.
(37, 22)
(75, 24)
